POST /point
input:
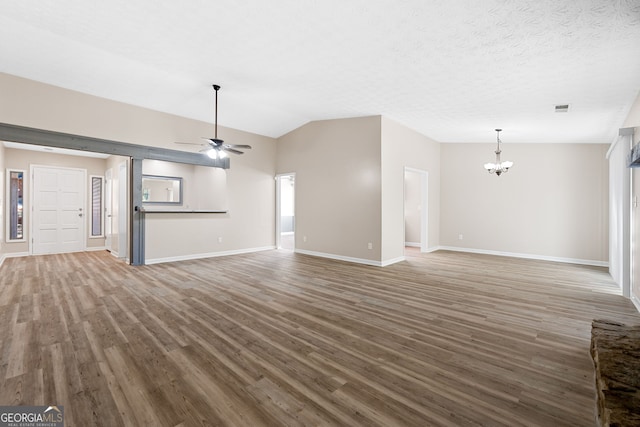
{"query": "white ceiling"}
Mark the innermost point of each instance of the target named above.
(451, 69)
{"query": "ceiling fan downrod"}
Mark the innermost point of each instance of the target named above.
(216, 88)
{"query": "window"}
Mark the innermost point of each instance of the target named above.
(15, 205)
(96, 206)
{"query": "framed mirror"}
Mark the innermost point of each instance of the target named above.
(15, 205)
(161, 190)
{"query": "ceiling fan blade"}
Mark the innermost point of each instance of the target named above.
(231, 150)
(246, 147)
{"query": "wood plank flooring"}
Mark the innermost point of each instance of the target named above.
(282, 339)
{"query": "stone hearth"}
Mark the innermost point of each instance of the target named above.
(615, 348)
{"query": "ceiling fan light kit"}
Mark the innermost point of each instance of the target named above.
(215, 154)
(499, 167)
(215, 147)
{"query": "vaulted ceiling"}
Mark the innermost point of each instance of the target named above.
(451, 69)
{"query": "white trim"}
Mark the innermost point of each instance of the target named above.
(207, 255)
(424, 206)
(612, 146)
(278, 180)
(7, 237)
(351, 259)
(417, 245)
(635, 302)
(90, 209)
(393, 261)
(620, 134)
(526, 256)
(12, 255)
(96, 248)
(123, 210)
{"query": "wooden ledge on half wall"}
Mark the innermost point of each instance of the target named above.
(147, 211)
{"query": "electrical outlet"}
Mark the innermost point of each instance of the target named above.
(459, 236)
(219, 239)
(369, 245)
(304, 238)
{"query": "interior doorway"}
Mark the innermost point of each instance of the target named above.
(58, 202)
(108, 208)
(416, 208)
(285, 211)
(123, 210)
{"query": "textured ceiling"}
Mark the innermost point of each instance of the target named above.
(451, 69)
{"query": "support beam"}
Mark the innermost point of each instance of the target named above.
(137, 215)
(26, 135)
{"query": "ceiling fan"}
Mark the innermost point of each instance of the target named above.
(215, 147)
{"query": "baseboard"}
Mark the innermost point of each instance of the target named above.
(635, 302)
(527, 256)
(418, 245)
(12, 255)
(207, 255)
(96, 249)
(393, 261)
(350, 259)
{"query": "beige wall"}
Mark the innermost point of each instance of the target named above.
(552, 203)
(250, 222)
(403, 147)
(203, 188)
(349, 184)
(338, 181)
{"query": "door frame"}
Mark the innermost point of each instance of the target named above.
(108, 208)
(123, 210)
(424, 207)
(278, 180)
(32, 188)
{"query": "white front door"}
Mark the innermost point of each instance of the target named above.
(58, 223)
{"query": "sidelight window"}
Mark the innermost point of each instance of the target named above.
(97, 206)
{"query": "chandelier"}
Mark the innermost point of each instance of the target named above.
(498, 167)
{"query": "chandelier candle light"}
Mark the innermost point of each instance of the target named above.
(498, 167)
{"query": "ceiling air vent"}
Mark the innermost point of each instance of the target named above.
(562, 108)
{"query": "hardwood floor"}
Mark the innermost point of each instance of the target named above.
(278, 338)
